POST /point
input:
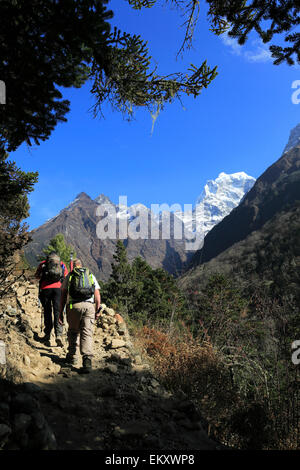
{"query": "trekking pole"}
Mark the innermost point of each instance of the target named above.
(63, 319)
(39, 306)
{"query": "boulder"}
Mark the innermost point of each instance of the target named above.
(117, 343)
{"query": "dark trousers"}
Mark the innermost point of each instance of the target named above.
(50, 300)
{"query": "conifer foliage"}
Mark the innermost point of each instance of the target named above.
(145, 294)
(59, 246)
(240, 17)
(14, 188)
(45, 45)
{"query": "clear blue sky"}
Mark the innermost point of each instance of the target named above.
(240, 123)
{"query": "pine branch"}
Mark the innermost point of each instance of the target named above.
(126, 80)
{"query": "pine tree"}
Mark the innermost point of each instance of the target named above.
(15, 185)
(120, 287)
(147, 295)
(60, 247)
(240, 17)
(49, 44)
(268, 18)
(45, 45)
(120, 267)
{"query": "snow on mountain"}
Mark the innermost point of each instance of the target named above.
(216, 201)
(131, 212)
(102, 199)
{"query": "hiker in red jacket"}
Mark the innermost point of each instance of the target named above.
(51, 273)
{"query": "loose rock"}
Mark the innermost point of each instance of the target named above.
(119, 405)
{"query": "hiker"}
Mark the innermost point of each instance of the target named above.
(51, 272)
(81, 294)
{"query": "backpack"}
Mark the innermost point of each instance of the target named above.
(81, 285)
(52, 269)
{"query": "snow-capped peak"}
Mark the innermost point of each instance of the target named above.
(231, 187)
(216, 201)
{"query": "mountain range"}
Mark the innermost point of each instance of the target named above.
(84, 221)
(246, 227)
(260, 238)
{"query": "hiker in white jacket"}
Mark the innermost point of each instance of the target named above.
(81, 295)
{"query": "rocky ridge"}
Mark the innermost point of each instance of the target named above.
(294, 139)
(81, 225)
(119, 405)
(276, 191)
(160, 235)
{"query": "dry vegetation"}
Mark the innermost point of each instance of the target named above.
(244, 404)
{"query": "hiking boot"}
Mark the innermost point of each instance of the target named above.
(59, 342)
(46, 340)
(86, 365)
(71, 360)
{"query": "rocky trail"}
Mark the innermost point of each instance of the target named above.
(120, 405)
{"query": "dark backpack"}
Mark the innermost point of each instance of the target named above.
(52, 269)
(81, 285)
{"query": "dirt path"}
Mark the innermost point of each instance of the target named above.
(119, 405)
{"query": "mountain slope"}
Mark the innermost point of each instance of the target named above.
(270, 256)
(120, 405)
(163, 243)
(78, 222)
(259, 239)
(277, 189)
(294, 139)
